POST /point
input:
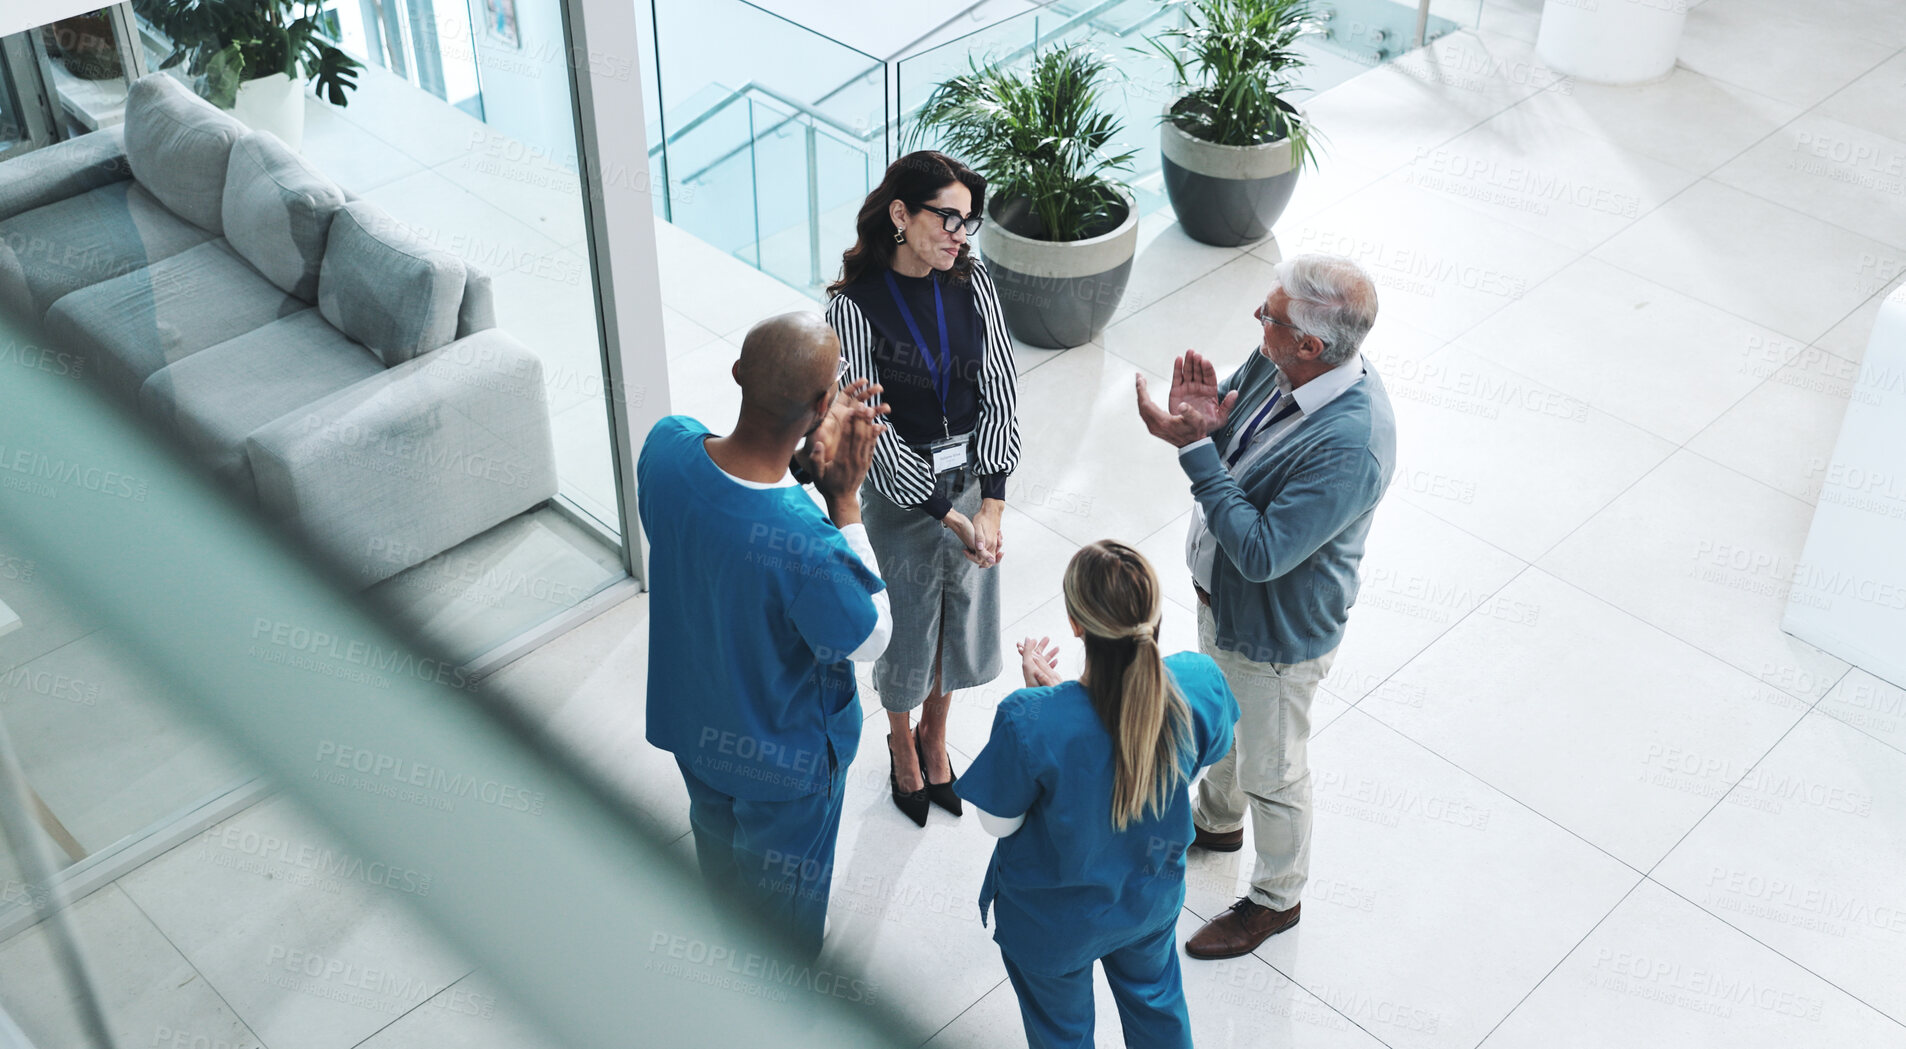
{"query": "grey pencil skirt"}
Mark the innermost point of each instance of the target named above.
(937, 595)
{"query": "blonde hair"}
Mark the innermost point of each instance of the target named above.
(1113, 595)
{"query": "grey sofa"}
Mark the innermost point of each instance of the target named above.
(323, 361)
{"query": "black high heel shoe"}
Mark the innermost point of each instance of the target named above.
(911, 802)
(941, 794)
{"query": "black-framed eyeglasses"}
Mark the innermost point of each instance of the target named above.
(951, 220)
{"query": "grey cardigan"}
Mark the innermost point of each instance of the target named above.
(1291, 528)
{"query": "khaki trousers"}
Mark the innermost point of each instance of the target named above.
(1268, 768)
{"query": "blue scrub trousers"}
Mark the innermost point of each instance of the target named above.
(774, 856)
(1145, 982)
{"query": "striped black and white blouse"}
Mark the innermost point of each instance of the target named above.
(981, 393)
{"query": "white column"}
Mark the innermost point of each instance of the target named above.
(605, 67)
(1849, 589)
(1611, 41)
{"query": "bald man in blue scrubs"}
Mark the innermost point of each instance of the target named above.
(758, 607)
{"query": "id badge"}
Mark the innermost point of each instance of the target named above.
(948, 455)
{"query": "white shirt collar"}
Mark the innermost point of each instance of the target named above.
(1327, 387)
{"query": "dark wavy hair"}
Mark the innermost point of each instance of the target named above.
(913, 180)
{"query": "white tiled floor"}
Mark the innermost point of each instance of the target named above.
(1574, 785)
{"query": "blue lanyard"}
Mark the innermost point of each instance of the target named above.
(942, 380)
(1251, 431)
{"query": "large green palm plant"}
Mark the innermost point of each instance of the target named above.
(1233, 60)
(232, 41)
(1039, 137)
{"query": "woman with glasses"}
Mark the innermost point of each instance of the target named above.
(917, 314)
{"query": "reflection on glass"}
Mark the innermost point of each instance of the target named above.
(772, 133)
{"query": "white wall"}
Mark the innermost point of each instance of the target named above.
(20, 15)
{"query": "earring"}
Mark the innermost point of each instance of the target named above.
(899, 235)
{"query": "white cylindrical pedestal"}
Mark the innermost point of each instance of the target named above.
(1611, 41)
(273, 103)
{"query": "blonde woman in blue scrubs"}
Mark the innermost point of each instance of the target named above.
(1084, 782)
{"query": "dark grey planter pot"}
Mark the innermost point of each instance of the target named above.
(1059, 294)
(1226, 195)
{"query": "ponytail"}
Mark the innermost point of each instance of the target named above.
(1113, 594)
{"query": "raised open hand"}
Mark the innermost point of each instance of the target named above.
(1195, 409)
(1039, 662)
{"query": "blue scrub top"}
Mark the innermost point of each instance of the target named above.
(1069, 888)
(755, 601)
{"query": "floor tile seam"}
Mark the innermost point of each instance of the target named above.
(1238, 252)
(187, 959)
(1719, 308)
(1889, 744)
(426, 1001)
(1559, 962)
(508, 215)
(1471, 207)
(1519, 373)
(1688, 445)
(1756, 194)
(969, 1008)
(1602, 509)
(1783, 955)
(1704, 457)
(1810, 702)
(1511, 798)
(1722, 800)
(8, 668)
(1500, 789)
(1431, 643)
(1320, 1000)
(1844, 37)
(1155, 303)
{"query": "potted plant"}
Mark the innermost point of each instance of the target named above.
(1232, 144)
(255, 56)
(1061, 230)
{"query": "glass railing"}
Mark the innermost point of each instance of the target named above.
(771, 133)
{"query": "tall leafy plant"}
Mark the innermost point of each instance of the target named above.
(1039, 136)
(232, 41)
(1233, 60)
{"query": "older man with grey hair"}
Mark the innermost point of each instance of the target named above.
(1287, 459)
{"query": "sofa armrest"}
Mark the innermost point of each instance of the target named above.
(65, 169)
(406, 464)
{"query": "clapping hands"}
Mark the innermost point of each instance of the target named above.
(1197, 409)
(841, 449)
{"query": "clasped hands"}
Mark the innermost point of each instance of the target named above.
(1196, 407)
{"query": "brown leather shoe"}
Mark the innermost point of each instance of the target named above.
(1215, 842)
(1240, 930)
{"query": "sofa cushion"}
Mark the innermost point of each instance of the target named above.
(133, 325)
(179, 146)
(94, 236)
(477, 312)
(215, 398)
(15, 300)
(277, 211)
(385, 288)
(64, 169)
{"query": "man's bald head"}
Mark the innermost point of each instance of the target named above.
(787, 363)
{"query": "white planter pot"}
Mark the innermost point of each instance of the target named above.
(274, 103)
(1611, 41)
